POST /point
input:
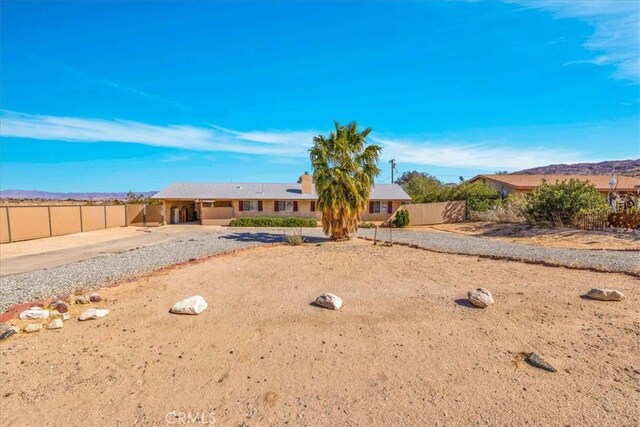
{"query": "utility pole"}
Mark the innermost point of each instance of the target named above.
(393, 168)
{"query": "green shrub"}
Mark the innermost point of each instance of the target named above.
(424, 188)
(264, 221)
(558, 203)
(402, 218)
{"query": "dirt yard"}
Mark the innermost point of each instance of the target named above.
(552, 237)
(406, 348)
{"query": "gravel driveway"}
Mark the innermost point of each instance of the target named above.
(108, 269)
(614, 261)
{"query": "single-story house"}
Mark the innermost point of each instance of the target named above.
(521, 184)
(213, 203)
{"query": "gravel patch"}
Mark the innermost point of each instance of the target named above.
(111, 268)
(614, 261)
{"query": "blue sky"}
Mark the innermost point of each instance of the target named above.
(113, 96)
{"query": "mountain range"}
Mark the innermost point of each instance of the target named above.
(46, 195)
(623, 167)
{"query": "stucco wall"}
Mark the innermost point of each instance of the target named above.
(219, 215)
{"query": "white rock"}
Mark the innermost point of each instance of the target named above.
(66, 316)
(56, 324)
(33, 327)
(328, 300)
(480, 297)
(93, 313)
(605, 294)
(191, 305)
(34, 313)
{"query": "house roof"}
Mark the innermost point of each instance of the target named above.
(528, 182)
(257, 191)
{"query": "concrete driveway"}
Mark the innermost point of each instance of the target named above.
(22, 257)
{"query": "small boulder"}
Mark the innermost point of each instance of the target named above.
(66, 316)
(480, 297)
(537, 361)
(605, 294)
(93, 313)
(191, 305)
(32, 327)
(7, 330)
(34, 313)
(56, 324)
(95, 297)
(59, 306)
(328, 300)
(83, 299)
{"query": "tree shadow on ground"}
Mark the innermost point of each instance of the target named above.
(265, 237)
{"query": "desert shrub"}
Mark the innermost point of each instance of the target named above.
(629, 219)
(558, 203)
(367, 224)
(424, 188)
(511, 209)
(402, 218)
(264, 221)
(479, 196)
(295, 239)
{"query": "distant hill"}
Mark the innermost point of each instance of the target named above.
(46, 195)
(624, 167)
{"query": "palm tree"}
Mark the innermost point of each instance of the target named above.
(344, 166)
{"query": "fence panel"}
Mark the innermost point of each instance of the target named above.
(92, 218)
(30, 222)
(135, 214)
(116, 216)
(4, 225)
(435, 213)
(154, 215)
(65, 220)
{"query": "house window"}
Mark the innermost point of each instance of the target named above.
(207, 204)
(249, 205)
(379, 207)
(285, 206)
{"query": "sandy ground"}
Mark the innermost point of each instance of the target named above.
(404, 349)
(552, 237)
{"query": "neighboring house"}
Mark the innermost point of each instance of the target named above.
(217, 203)
(512, 184)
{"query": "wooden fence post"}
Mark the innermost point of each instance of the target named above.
(8, 224)
(81, 225)
(49, 215)
(105, 217)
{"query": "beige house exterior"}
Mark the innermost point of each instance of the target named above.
(219, 203)
(523, 184)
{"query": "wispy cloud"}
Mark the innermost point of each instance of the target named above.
(485, 155)
(273, 143)
(616, 36)
(282, 146)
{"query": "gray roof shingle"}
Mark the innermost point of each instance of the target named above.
(257, 191)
